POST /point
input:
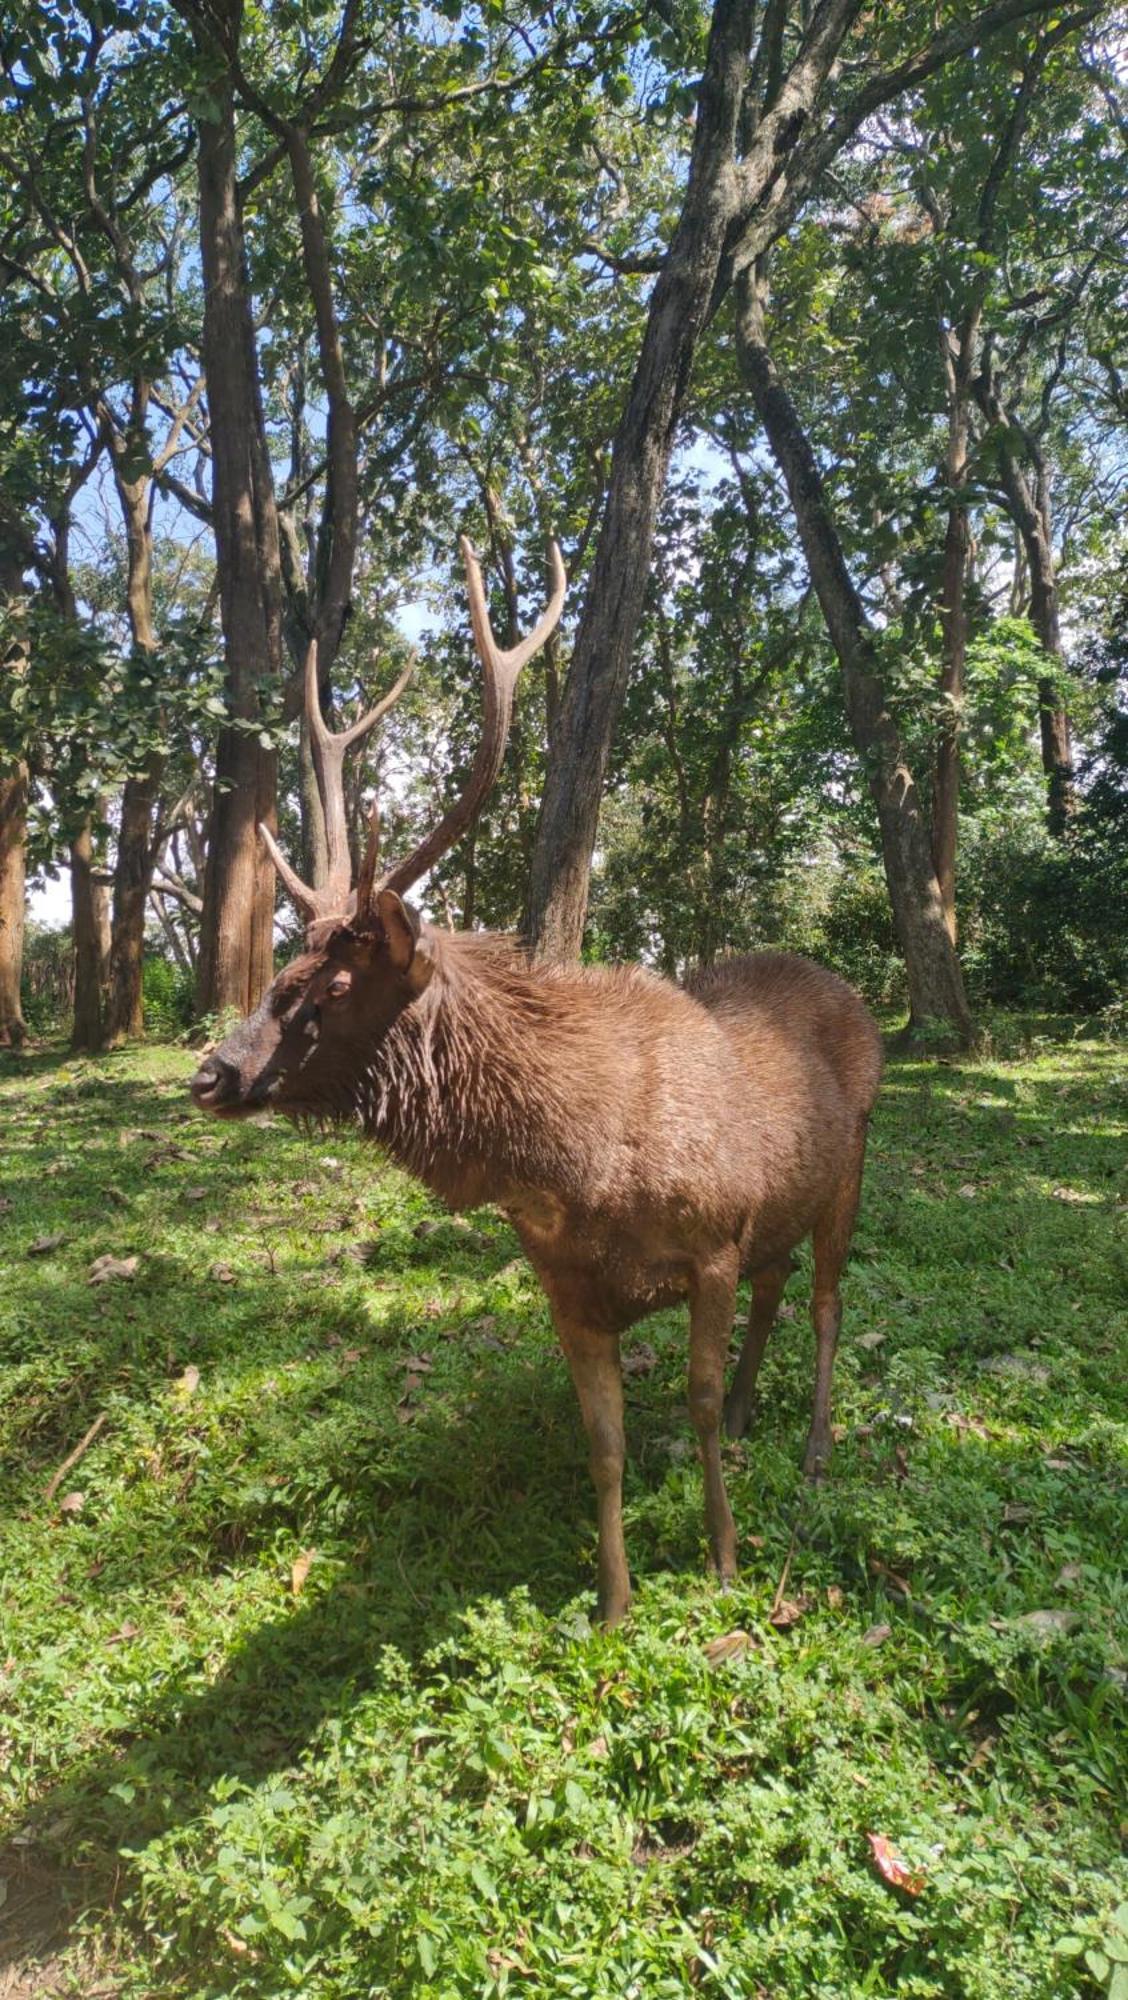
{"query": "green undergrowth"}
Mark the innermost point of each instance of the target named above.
(298, 1690)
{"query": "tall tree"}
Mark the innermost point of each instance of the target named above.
(13, 809)
(237, 941)
(772, 113)
(936, 990)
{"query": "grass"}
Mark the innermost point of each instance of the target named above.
(298, 1690)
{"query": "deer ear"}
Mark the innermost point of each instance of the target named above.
(401, 929)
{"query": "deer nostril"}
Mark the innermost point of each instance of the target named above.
(215, 1082)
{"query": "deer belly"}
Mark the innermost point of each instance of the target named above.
(589, 1273)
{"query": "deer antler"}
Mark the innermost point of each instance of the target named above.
(328, 749)
(499, 678)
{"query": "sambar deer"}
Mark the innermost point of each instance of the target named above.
(648, 1142)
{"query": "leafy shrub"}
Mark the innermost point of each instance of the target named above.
(167, 996)
(1042, 920)
(47, 987)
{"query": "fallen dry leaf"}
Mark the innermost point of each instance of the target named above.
(190, 1380)
(597, 1747)
(104, 1269)
(868, 1340)
(835, 1596)
(1067, 1576)
(877, 1635)
(223, 1274)
(72, 1503)
(968, 1190)
(196, 1194)
(893, 1866)
(418, 1364)
(299, 1570)
(730, 1646)
(787, 1612)
(1067, 1194)
(44, 1244)
(1015, 1514)
(958, 1422)
(1046, 1623)
(980, 1754)
(124, 1632)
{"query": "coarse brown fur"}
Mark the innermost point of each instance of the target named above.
(649, 1142)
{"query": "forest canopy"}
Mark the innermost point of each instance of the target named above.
(803, 332)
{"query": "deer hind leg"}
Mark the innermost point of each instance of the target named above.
(593, 1358)
(711, 1300)
(767, 1290)
(831, 1238)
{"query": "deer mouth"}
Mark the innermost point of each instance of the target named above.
(217, 1087)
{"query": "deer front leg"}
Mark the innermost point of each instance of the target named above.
(593, 1358)
(711, 1300)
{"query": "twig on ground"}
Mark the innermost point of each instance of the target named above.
(781, 1586)
(73, 1457)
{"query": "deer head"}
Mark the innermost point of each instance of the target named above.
(366, 956)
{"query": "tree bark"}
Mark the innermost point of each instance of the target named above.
(13, 837)
(133, 876)
(680, 309)
(236, 959)
(133, 869)
(1026, 489)
(90, 909)
(953, 621)
(936, 990)
(759, 146)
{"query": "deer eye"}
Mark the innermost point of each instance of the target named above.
(338, 986)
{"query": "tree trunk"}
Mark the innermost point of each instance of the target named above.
(13, 835)
(133, 869)
(13, 832)
(1053, 716)
(936, 991)
(1027, 495)
(680, 309)
(133, 876)
(237, 932)
(954, 627)
(90, 907)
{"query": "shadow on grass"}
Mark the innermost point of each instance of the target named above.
(485, 1489)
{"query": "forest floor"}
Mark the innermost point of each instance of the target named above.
(298, 1690)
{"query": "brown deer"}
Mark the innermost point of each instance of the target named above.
(648, 1142)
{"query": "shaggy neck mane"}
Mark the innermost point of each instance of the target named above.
(479, 1078)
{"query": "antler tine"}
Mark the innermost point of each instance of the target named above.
(328, 751)
(499, 675)
(305, 899)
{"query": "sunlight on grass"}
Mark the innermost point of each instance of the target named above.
(298, 1693)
